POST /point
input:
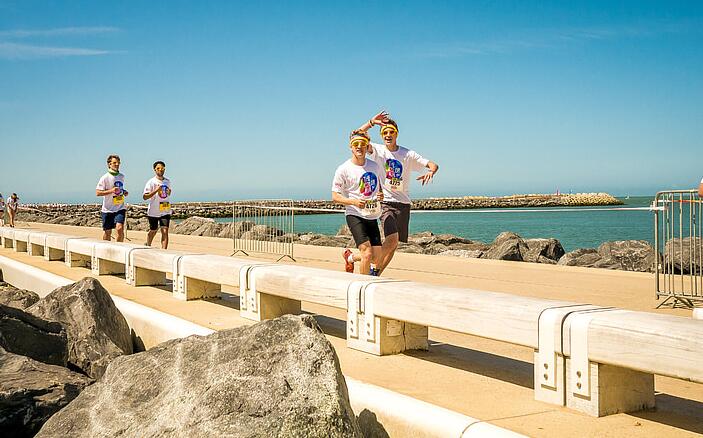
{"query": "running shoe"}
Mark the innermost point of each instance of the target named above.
(348, 266)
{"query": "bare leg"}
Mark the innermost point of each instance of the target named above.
(120, 232)
(376, 256)
(150, 237)
(164, 237)
(366, 257)
(390, 244)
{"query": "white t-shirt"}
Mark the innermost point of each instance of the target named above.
(2, 204)
(112, 203)
(160, 203)
(359, 182)
(397, 167)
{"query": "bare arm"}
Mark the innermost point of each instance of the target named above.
(150, 195)
(105, 192)
(378, 119)
(339, 199)
(427, 178)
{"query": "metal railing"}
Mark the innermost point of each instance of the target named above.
(678, 232)
(264, 226)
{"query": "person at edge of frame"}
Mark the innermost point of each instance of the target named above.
(12, 205)
(356, 185)
(158, 192)
(700, 189)
(398, 163)
(2, 211)
(111, 188)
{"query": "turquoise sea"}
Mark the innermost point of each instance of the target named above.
(579, 227)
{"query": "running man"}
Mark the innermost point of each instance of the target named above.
(12, 208)
(158, 192)
(356, 185)
(398, 163)
(111, 188)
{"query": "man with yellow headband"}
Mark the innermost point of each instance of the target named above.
(357, 185)
(397, 163)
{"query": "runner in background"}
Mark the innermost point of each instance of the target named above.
(398, 163)
(12, 208)
(2, 211)
(111, 188)
(700, 189)
(356, 185)
(158, 192)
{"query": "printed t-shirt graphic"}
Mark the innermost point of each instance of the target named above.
(113, 202)
(359, 183)
(160, 203)
(398, 166)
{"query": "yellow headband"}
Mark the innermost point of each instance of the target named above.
(384, 127)
(359, 138)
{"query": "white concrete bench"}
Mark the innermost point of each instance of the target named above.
(20, 238)
(79, 252)
(112, 257)
(7, 236)
(56, 246)
(36, 244)
(199, 276)
(152, 267)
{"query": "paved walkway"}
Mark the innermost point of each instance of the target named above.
(481, 378)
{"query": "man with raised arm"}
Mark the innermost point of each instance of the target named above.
(111, 188)
(397, 163)
(158, 191)
(356, 185)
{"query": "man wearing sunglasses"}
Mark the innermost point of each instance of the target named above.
(397, 163)
(356, 185)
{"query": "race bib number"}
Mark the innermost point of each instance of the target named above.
(395, 184)
(118, 200)
(372, 208)
(164, 206)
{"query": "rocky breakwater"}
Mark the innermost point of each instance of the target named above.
(277, 378)
(52, 349)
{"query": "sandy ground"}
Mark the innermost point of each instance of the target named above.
(478, 377)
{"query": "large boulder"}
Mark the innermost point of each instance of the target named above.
(339, 242)
(538, 249)
(684, 255)
(630, 255)
(507, 246)
(462, 253)
(191, 224)
(25, 334)
(277, 378)
(584, 257)
(410, 248)
(32, 391)
(97, 331)
(18, 298)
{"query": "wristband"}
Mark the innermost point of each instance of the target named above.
(371, 122)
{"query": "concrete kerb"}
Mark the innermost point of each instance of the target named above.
(258, 306)
(400, 415)
(188, 288)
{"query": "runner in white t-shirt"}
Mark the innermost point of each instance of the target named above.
(158, 192)
(2, 211)
(12, 203)
(356, 185)
(111, 188)
(398, 163)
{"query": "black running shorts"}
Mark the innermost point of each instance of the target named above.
(364, 230)
(395, 218)
(155, 222)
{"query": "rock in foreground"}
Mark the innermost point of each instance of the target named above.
(276, 378)
(18, 298)
(27, 335)
(31, 392)
(97, 331)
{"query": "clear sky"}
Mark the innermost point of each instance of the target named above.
(256, 99)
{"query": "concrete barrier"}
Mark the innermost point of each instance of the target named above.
(399, 415)
(112, 257)
(20, 238)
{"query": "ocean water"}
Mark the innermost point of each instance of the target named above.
(580, 227)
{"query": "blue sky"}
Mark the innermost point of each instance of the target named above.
(256, 99)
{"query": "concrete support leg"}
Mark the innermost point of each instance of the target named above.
(186, 288)
(20, 246)
(376, 334)
(6, 243)
(612, 390)
(145, 277)
(106, 267)
(74, 260)
(550, 380)
(53, 254)
(35, 250)
(260, 307)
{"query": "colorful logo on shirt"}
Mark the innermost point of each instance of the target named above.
(368, 183)
(393, 169)
(163, 193)
(120, 188)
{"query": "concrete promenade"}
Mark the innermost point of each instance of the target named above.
(481, 378)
